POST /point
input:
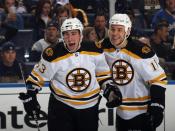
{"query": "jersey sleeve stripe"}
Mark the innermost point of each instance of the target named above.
(40, 79)
(30, 79)
(160, 80)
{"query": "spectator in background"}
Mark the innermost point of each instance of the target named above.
(121, 6)
(167, 13)
(42, 17)
(78, 13)
(30, 5)
(89, 34)
(158, 39)
(10, 16)
(21, 7)
(10, 70)
(61, 12)
(137, 24)
(100, 25)
(6, 33)
(51, 37)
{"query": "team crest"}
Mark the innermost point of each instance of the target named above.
(146, 49)
(122, 72)
(98, 44)
(49, 52)
(78, 79)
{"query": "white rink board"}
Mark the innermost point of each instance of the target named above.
(13, 118)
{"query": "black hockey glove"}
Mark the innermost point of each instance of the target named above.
(113, 95)
(31, 105)
(157, 105)
(155, 112)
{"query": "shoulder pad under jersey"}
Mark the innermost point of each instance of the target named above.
(140, 49)
(90, 47)
(54, 51)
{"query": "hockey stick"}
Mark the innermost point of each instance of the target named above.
(34, 112)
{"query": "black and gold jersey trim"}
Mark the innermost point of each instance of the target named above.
(58, 52)
(138, 49)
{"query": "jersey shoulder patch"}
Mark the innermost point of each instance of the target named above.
(138, 48)
(54, 51)
(90, 47)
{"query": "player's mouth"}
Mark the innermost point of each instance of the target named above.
(71, 44)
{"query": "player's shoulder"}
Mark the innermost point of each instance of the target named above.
(54, 51)
(106, 44)
(90, 46)
(140, 49)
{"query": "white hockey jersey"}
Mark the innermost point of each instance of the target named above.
(74, 77)
(134, 68)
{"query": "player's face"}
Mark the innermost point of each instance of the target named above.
(72, 39)
(116, 34)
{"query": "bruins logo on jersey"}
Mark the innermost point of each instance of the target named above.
(146, 49)
(122, 72)
(78, 79)
(49, 52)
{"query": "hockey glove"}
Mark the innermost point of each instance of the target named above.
(113, 95)
(155, 112)
(31, 105)
(157, 105)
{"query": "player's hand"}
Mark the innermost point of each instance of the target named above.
(113, 95)
(31, 105)
(156, 115)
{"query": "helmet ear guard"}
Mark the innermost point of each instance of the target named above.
(128, 32)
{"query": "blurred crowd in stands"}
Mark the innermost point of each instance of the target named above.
(27, 27)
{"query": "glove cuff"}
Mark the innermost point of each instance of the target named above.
(157, 105)
(32, 92)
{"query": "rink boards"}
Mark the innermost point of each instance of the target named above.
(13, 117)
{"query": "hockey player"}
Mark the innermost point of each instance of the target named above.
(76, 70)
(136, 70)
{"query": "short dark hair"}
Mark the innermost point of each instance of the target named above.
(100, 13)
(160, 25)
(8, 46)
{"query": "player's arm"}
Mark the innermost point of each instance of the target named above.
(43, 71)
(110, 90)
(154, 75)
